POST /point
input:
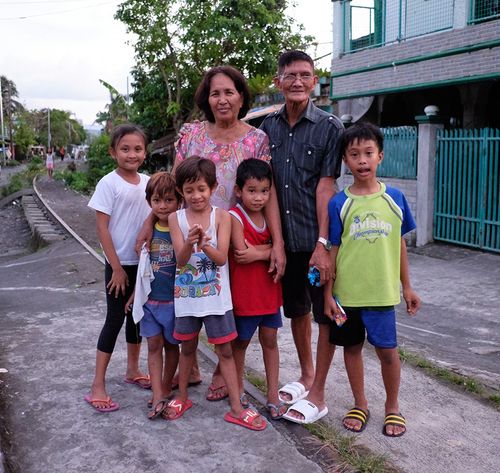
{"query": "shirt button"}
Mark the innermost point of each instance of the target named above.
(287, 160)
(288, 211)
(309, 152)
(286, 186)
(290, 134)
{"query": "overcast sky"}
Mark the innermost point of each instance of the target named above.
(56, 51)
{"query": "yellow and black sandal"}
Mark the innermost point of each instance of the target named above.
(357, 414)
(394, 419)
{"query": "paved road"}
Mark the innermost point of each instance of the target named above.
(48, 346)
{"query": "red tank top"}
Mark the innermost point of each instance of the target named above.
(252, 288)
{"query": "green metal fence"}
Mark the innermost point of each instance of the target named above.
(400, 153)
(467, 209)
(484, 10)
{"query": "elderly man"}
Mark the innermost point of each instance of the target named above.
(304, 150)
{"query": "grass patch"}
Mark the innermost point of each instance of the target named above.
(467, 383)
(352, 456)
(22, 180)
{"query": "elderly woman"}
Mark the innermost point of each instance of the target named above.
(225, 139)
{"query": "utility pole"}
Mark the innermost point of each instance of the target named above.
(2, 131)
(49, 138)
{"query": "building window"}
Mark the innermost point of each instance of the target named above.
(372, 23)
(484, 10)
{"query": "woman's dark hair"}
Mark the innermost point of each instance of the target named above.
(361, 131)
(253, 168)
(192, 168)
(127, 129)
(203, 90)
(162, 184)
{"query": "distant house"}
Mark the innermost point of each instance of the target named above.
(391, 58)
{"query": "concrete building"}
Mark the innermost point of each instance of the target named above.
(391, 58)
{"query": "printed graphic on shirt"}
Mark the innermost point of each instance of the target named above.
(162, 255)
(369, 226)
(199, 278)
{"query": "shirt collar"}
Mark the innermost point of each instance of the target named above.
(310, 113)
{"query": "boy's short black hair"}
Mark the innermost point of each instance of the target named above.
(362, 131)
(192, 169)
(253, 168)
(162, 184)
(288, 57)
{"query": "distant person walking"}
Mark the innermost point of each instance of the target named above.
(121, 208)
(49, 162)
(62, 152)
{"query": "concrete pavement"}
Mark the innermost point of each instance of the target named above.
(54, 307)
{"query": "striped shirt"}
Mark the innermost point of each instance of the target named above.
(300, 156)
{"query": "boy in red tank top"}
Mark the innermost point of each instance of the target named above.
(256, 297)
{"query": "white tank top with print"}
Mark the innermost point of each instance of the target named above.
(201, 287)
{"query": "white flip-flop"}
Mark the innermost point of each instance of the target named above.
(295, 389)
(308, 409)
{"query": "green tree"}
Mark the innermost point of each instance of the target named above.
(64, 129)
(24, 136)
(178, 40)
(117, 111)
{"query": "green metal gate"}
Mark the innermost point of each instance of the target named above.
(467, 210)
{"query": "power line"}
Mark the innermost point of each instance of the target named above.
(25, 17)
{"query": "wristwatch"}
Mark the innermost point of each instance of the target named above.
(326, 243)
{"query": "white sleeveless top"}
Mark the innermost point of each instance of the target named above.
(201, 287)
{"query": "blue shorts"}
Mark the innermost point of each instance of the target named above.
(379, 324)
(220, 328)
(159, 317)
(246, 325)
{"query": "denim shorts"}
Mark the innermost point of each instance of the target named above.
(246, 325)
(159, 317)
(378, 324)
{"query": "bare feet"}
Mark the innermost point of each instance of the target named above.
(356, 419)
(217, 393)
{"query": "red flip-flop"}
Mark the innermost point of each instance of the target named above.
(137, 381)
(246, 419)
(178, 407)
(111, 406)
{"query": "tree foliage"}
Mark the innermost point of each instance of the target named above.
(64, 130)
(117, 111)
(177, 41)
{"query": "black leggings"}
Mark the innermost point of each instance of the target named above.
(116, 313)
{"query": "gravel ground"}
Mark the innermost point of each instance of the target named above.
(15, 234)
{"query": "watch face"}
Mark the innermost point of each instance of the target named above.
(326, 243)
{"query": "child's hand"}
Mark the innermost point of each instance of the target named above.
(129, 304)
(412, 301)
(194, 235)
(118, 283)
(331, 309)
(248, 255)
(204, 239)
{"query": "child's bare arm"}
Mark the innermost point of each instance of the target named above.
(409, 295)
(182, 247)
(145, 234)
(223, 225)
(130, 303)
(237, 235)
(244, 252)
(331, 307)
(119, 279)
